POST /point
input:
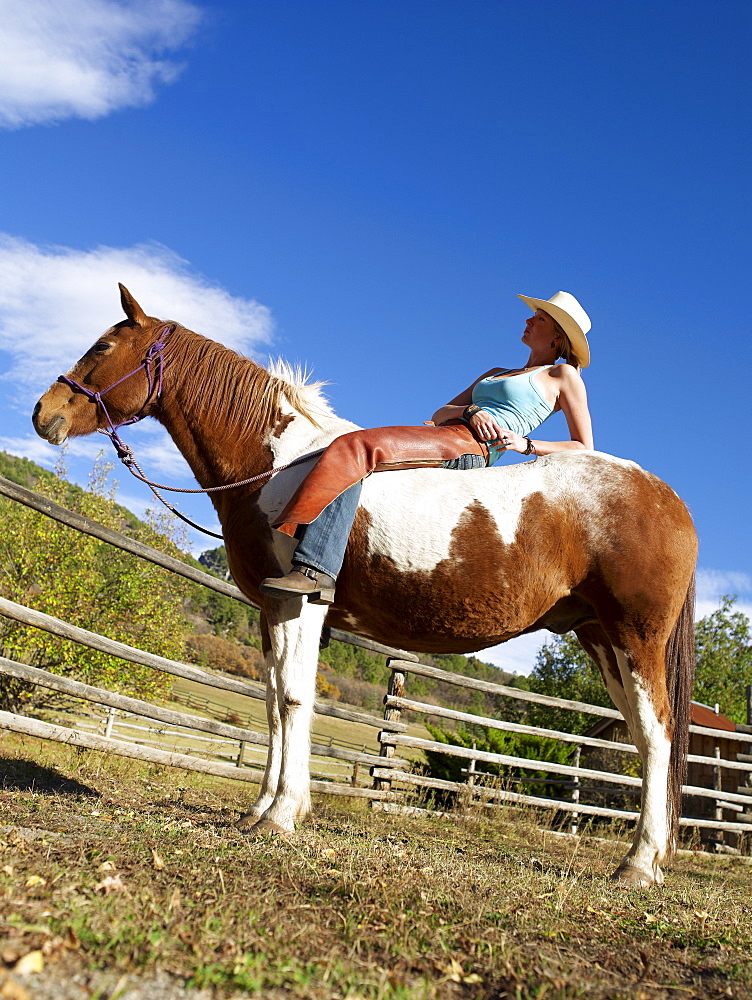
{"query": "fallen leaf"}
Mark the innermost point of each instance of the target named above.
(106, 866)
(472, 979)
(10, 953)
(32, 962)
(701, 914)
(650, 918)
(329, 852)
(453, 971)
(9, 869)
(11, 989)
(35, 880)
(112, 883)
(156, 861)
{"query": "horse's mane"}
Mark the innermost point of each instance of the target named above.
(231, 388)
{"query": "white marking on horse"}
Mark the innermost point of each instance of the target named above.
(651, 843)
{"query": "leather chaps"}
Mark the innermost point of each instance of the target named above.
(351, 457)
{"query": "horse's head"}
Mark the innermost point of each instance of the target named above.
(71, 406)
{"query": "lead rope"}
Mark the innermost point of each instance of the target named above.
(131, 464)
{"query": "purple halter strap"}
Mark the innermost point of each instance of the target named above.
(153, 356)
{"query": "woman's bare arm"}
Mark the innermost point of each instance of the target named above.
(572, 401)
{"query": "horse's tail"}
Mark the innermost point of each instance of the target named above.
(680, 672)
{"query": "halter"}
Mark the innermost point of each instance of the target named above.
(155, 356)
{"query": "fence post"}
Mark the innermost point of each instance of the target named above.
(718, 786)
(396, 689)
(471, 769)
(111, 713)
(575, 790)
(241, 754)
(749, 704)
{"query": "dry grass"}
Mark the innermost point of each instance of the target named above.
(112, 869)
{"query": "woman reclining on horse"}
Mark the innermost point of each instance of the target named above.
(496, 414)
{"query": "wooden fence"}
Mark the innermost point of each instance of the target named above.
(376, 769)
(581, 780)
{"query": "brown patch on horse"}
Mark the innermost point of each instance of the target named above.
(638, 600)
(590, 636)
(480, 594)
(282, 424)
(251, 554)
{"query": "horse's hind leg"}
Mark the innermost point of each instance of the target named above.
(637, 686)
(294, 631)
(274, 755)
(644, 682)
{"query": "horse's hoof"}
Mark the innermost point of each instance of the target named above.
(266, 828)
(246, 822)
(629, 877)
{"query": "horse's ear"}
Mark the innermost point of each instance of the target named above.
(131, 308)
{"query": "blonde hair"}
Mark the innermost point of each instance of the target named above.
(566, 350)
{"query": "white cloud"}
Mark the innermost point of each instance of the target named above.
(55, 301)
(86, 58)
(712, 584)
(33, 448)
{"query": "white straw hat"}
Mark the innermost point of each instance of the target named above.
(570, 316)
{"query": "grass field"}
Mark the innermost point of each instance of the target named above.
(324, 726)
(123, 881)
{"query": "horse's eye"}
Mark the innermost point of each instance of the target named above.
(101, 347)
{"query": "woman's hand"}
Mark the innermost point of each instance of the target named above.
(486, 429)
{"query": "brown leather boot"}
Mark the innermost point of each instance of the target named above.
(301, 582)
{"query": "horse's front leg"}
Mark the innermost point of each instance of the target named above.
(274, 755)
(294, 632)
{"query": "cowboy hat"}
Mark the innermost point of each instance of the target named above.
(570, 316)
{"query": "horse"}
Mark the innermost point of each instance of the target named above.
(437, 561)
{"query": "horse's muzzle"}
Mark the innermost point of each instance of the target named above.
(54, 430)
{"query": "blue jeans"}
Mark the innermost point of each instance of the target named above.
(322, 543)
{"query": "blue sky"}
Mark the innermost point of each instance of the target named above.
(365, 186)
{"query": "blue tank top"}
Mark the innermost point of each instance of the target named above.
(514, 402)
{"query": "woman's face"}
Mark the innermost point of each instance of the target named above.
(539, 330)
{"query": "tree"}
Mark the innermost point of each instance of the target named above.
(220, 654)
(564, 670)
(215, 561)
(724, 659)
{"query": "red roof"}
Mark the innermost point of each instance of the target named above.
(701, 715)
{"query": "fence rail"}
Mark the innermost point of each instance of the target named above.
(734, 801)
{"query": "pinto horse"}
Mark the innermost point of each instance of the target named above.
(438, 560)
